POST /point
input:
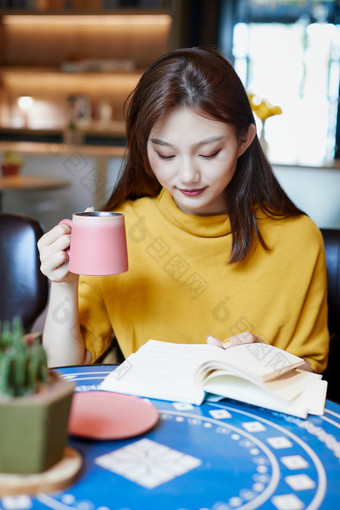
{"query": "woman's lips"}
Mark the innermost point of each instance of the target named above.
(191, 192)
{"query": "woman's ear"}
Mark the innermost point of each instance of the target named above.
(246, 139)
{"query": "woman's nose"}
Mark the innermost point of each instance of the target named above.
(189, 172)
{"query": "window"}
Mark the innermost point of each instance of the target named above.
(288, 54)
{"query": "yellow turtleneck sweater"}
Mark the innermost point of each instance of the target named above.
(180, 287)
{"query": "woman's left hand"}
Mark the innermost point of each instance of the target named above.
(243, 338)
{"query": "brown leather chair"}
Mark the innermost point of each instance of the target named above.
(23, 288)
(332, 372)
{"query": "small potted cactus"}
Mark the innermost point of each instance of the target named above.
(34, 404)
(11, 163)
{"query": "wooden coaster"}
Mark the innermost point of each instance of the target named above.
(57, 477)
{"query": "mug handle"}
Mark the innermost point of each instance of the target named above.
(69, 223)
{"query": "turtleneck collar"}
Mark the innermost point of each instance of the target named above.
(203, 226)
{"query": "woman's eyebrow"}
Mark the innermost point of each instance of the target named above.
(210, 140)
(158, 141)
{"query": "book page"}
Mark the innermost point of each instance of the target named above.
(161, 370)
(314, 396)
(292, 384)
(297, 392)
(260, 360)
(243, 390)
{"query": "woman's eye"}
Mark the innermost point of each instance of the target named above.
(162, 156)
(210, 156)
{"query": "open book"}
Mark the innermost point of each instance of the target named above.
(257, 374)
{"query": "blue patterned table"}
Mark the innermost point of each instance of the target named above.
(219, 456)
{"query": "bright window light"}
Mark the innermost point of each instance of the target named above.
(295, 66)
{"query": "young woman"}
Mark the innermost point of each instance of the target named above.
(216, 248)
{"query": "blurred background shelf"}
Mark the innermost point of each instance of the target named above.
(93, 133)
(74, 67)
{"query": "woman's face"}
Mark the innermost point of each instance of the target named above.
(195, 158)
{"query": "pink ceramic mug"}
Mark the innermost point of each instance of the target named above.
(98, 243)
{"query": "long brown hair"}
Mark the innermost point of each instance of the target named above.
(206, 82)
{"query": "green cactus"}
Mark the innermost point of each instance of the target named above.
(23, 362)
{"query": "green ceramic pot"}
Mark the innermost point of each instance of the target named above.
(33, 429)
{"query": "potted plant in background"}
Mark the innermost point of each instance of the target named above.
(11, 163)
(34, 404)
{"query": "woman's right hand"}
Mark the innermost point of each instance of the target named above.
(53, 256)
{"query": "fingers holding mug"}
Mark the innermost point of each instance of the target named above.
(53, 256)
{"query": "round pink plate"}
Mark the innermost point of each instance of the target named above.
(106, 415)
